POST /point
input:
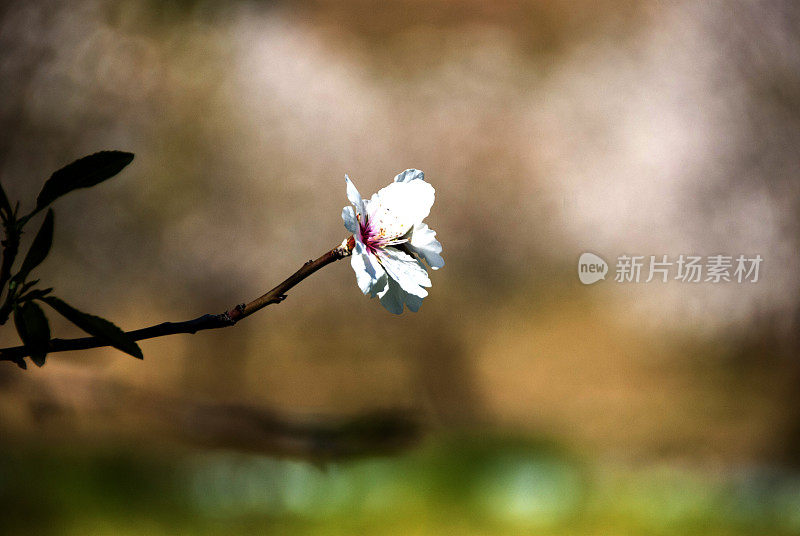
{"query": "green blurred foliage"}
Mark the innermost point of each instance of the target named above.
(465, 484)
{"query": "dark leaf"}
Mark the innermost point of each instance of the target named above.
(96, 326)
(36, 294)
(39, 248)
(5, 206)
(27, 286)
(33, 329)
(84, 173)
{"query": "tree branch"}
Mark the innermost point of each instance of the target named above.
(208, 321)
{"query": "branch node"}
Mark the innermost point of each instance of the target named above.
(230, 318)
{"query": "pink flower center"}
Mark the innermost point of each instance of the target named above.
(374, 237)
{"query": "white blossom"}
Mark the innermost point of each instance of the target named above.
(391, 240)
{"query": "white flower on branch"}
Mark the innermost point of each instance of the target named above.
(391, 240)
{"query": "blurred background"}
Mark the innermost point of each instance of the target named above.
(517, 400)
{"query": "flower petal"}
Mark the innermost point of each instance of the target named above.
(397, 207)
(350, 221)
(410, 175)
(406, 270)
(392, 299)
(354, 197)
(412, 302)
(423, 243)
(395, 297)
(370, 275)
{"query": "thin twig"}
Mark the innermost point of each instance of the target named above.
(208, 321)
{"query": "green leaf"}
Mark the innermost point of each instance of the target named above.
(96, 326)
(84, 173)
(33, 329)
(39, 248)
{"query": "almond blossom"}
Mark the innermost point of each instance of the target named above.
(390, 240)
